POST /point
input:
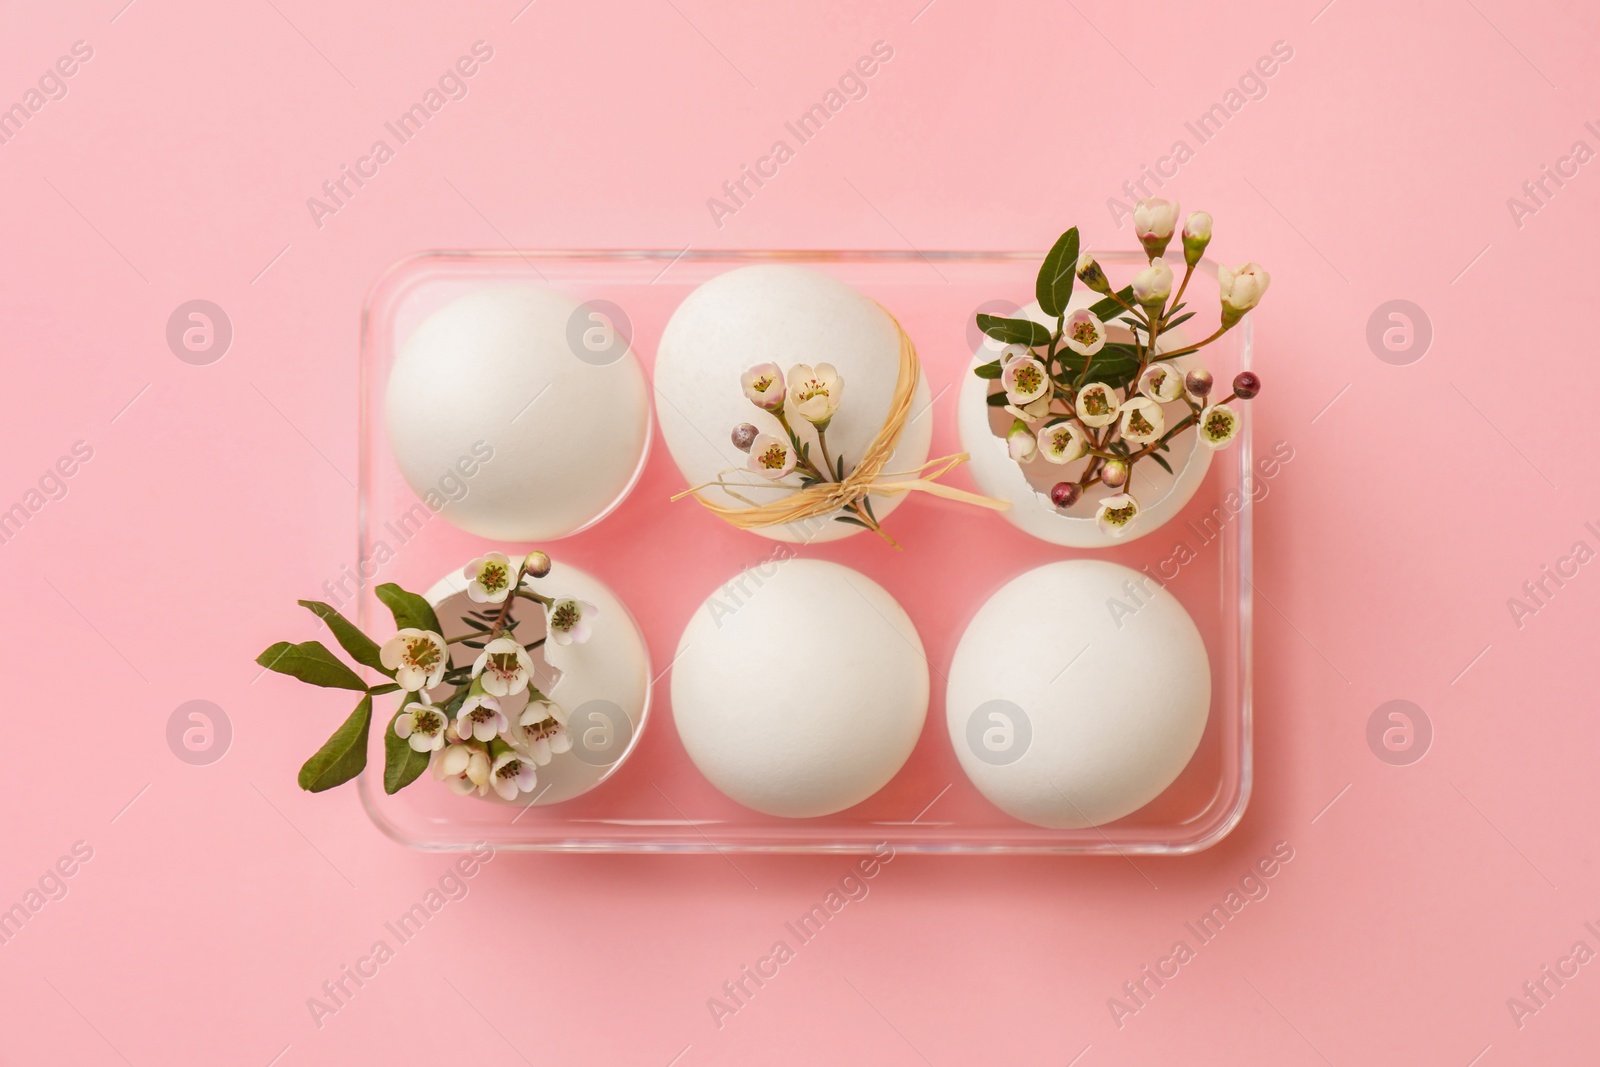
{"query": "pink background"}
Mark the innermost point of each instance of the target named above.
(1377, 167)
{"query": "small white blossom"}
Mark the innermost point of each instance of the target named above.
(771, 457)
(1161, 383)
(1155, 219)
(422, 726)
(1219, 424)
(503, 667)
(463, 768)
(490, 578)
(815, 392)
(1013, 352)
(1241, 289)
(512, 773)
(1083, 332)
(763, 386)
(1142, 420)
(1033, 412)
(480, 718)
(1025, 381)
(1021, 443)
(1153, 285)
(1062, 442)
(543, 732)
(1096, 405)
(1116, 514)
(568, 621)
(417, 657)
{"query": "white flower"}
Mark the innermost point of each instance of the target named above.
(1219, 424)
(422, 726)
(815, 392)
(1142, 420)
(1153, 285)
(542, 732)
(1116, 513)
(1021, 443)
(1032, 412)
(1196, 235)
(1153, 223)
(512, 773)
(463, 768)
(1161, 383)
(1242, 290)
(1013, 352)
(1025, 381)
(417, 657)
(1154, 218)
(491, 575)
(568, 621)
(763, 386)
(1083, 332)
(771, 457)
(503, 667)
(1062, 442)
(480, 718)
(1096, 405)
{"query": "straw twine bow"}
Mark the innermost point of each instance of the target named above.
(868, 476)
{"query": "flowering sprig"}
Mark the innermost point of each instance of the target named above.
(452, 717)
(1072, 393)
(813, 393)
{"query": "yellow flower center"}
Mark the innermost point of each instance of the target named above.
(565, 617)
(1084, 333)
(493, 577)
(1094, 402)
(1027, 378)
(1120, 516)
(1139, 424)
(774, 457)
(421, 652)
(1218, 425)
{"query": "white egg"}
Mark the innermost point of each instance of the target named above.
(800, 688)
(532, 380)
(1027, 486)
(785, 315)
(603, 684)
(1078, 694)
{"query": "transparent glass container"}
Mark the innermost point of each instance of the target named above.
(663, 559)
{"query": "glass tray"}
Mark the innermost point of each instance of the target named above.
(954, 558)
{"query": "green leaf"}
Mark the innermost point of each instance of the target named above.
(1164, 464)
(1057, 273)
(362, 649)
(866, 502)
(1014, 331)
(1179, 321)
(1106, 310)
(401, 763)
(410, 610)
(310, 661)
(997, 400)
(991, 371)
(1115, 364)
(343, 756)
(852, 520)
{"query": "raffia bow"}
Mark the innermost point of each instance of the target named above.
(850, 494)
